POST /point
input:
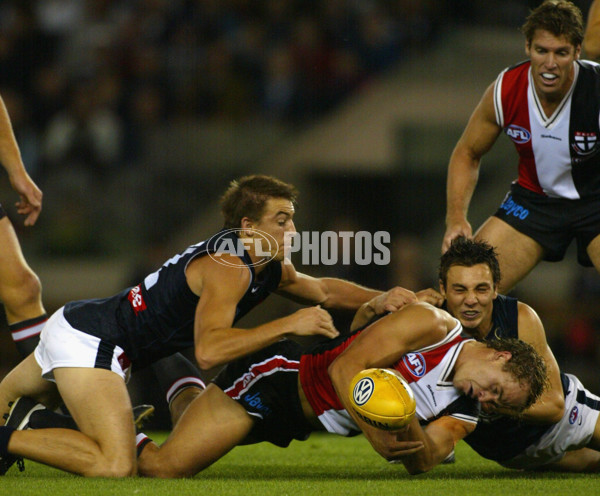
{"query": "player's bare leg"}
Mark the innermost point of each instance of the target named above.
(582, 460)
(518, 254)
(105, 444)
(593, 251)
(211, 426)
(180, 403)
(26, 380)
(20, 288)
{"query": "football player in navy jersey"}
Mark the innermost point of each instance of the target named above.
(87, 347)
(550, 433)
(549, 106)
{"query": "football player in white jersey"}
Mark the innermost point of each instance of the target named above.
(548, 106)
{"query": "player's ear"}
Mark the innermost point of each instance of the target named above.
(247, 226)
(442, 289)
(505, 356)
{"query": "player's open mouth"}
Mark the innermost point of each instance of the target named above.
(470, 314)
(548, 77)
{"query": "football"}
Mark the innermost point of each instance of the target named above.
(382, 398)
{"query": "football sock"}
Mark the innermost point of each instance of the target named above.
(5, 433)
(44, 419)
(176, 373)
(26, 334)
(141, 440)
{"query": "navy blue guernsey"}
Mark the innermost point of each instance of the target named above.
(500, 437)
(156, 318)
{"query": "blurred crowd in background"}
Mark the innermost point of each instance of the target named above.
(84, 81)
(81, 77)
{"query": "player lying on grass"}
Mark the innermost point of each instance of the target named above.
(282, 393)
(550, 434)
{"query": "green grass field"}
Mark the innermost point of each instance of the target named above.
(324, 465)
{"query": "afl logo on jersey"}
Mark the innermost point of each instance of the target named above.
(518, 134)
(573, 415)
(415, 363)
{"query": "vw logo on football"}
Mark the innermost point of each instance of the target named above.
(264, 244)
(415, 363)
(363, 390)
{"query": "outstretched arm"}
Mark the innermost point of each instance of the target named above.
(329, 292)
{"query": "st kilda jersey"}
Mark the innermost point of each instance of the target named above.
(426, 370)
(559, 153)
(156, 318)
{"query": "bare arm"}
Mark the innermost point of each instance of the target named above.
(463, 170)
(550, 407)
(591, 38)
(30, 203)
(438, 439)
(390, 301)
(220, 289)
(327, 291)
(382, 344)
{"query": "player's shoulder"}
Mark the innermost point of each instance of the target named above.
(589, 65)
(526, 311)
(227, 271)
(516, 69)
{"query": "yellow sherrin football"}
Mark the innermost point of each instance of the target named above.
(382, 398)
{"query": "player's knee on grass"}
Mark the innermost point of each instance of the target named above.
(157, 463)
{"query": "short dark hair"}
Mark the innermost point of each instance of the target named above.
(559, 17)
(247, 197)
(526, 365)
(466, 253)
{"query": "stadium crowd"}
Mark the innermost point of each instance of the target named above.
(80, 73)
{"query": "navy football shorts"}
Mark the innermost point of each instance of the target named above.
(552, 222)
(265, 383)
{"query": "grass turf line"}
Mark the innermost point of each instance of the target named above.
(325, 464)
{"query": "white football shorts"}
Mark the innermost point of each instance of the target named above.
(61, 345)
(573, 431)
